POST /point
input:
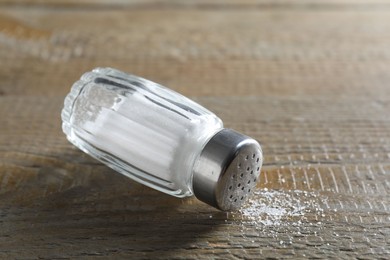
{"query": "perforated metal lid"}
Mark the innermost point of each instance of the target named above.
(227, 170)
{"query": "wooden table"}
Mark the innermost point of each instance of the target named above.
(310, 80)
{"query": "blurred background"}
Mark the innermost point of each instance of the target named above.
(199, 48)
(309, 79)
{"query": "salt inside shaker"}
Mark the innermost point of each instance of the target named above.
(160, 138)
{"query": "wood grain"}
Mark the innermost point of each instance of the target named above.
(218, 53)
(308, 79)
(57, 202)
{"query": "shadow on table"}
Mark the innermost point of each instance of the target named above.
(92, 210)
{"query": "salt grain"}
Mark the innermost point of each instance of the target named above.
(280, 208)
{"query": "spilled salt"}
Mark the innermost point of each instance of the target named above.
(279, 208)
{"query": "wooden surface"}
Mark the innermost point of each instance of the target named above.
(309, 79)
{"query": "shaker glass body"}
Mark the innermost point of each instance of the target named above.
(139, 128)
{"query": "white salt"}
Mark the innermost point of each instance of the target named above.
(279, 208)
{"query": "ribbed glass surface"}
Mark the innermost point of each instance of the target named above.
(139, 128)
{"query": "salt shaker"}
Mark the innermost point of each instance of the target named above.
(160, 138)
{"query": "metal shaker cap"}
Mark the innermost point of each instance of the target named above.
(227, 170)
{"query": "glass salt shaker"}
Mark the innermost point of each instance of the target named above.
(160, 138)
